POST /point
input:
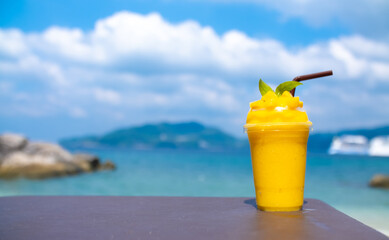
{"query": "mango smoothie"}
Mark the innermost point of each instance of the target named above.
(278, 130)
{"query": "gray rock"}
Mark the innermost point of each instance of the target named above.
(87, 161)
(380, 181)
(20, 158)
(49, 150)
(19, 164)
(10, 142)
(35, 171)
(107, 165)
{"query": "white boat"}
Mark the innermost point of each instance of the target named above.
(350, 145)
(379, 146)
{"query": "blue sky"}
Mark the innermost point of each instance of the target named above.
(83, 67)
(254, 20)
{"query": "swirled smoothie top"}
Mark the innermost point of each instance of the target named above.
(277, 107)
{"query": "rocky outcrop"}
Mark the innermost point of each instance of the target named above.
(88, 162)
(21, 158)
(107, 165)
(11, 142)
(380, 181)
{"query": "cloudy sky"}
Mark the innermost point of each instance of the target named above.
(70, 68)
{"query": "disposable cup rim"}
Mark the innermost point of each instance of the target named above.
(272, 126)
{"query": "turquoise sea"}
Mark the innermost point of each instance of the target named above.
(341, 181)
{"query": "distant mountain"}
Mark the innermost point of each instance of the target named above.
(195, 136)
(320, 142)
(368, 133)
(190, 135)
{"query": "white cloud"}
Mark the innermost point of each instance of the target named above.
(107, 96)
(143, 68)
(12, 42)
(133, 43)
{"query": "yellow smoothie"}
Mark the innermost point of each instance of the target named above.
(278, 129)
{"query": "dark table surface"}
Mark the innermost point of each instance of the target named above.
(73, 218)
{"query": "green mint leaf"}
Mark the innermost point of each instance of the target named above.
(263, 87)
(286, 86)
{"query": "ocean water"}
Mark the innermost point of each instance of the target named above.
(341, 181)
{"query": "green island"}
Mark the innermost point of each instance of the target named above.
(194, 136)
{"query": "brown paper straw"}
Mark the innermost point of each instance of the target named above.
(310, 76)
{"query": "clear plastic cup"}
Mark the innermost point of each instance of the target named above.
(278, 155)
